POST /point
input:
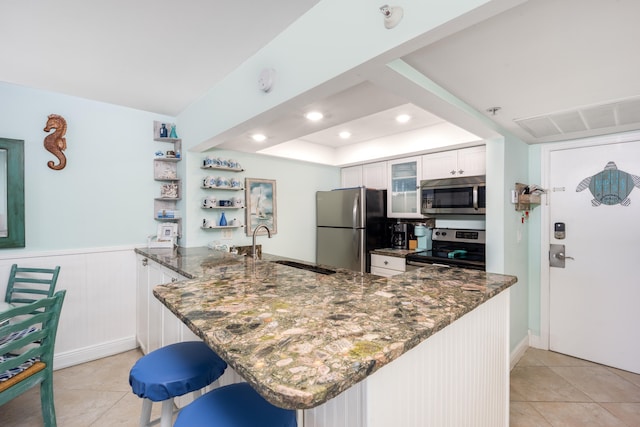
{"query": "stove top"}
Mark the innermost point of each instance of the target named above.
(454, 247)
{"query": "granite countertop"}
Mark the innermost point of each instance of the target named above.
(399, 253)
(301, 338)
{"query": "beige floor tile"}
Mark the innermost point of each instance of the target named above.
(563, 414)
(522, 414)
(629, 376)
(80, 408)
(629, 413)
(530, 359)
(74, 408)
(550, 358)
(23, 411)
(600, 384)
(125, 413)
(110, 373)
(541, 384)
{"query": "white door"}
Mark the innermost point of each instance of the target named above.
(594, 302)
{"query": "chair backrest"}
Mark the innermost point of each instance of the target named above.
(27, 285)
(29, 331)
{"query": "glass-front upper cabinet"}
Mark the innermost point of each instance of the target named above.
(403, 199)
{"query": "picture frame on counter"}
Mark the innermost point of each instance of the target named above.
(260, 199)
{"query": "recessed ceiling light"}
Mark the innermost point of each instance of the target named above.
(314, 116)
(345, 134)
(258, 137)
(403, 118)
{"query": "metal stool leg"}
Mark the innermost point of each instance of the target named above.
(145, 415)
(166, 419)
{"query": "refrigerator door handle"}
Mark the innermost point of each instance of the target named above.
(356, 214)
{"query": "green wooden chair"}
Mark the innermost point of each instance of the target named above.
(27, 284)
(27, 341)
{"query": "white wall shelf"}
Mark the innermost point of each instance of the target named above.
(165, 169)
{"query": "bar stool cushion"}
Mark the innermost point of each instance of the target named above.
(235, 405)
(175, 370)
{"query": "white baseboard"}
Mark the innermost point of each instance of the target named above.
(518, 352)
(87, 354)
(536, 341)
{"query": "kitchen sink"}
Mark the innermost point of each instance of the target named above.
(307, 267)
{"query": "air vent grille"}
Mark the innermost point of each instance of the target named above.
(625, 112)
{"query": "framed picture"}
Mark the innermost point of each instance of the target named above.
(260, 197)
(167, 232)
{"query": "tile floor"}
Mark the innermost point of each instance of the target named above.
(551, 389)
(547, 389)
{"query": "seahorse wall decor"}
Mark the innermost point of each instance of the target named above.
(55, 143)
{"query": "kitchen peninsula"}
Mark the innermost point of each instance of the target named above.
(427, 347)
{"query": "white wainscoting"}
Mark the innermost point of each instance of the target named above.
(99, 312)
(458, 377)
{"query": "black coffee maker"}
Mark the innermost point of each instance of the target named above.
(401, 233)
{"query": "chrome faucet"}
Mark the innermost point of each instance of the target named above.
(253, 246)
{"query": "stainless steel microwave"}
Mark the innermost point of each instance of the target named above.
(450, 196)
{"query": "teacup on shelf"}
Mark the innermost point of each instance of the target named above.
(209, 181)
(209, 202)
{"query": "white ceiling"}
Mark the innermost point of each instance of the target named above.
(545, 58)
(152, 55)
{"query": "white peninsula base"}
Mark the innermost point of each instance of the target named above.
(458, 377)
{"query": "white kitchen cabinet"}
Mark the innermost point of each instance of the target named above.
(370, 175)
(387, 266)
(351, 176)
(374, 175)
(402, 193)
(455, 163)
(156, 326)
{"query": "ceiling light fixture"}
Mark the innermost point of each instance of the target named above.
(258, 137)
(345, 134)
(403, 118)
(392, 15)
(314, 116)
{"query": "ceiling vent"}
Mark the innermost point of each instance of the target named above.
(620, 113)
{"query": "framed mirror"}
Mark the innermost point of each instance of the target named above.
(11, 193)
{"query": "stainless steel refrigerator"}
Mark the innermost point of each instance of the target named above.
(350, 223)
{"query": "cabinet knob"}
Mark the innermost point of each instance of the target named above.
(453, 172)
(173, 279)
(145, 262)
(460, 171)
(386, 262)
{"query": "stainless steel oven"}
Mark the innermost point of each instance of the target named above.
(453, 248)
(464, 195)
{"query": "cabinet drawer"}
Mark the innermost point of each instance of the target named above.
(389, 262)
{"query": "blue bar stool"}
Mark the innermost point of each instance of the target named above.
(235, 405)
(172, 371)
